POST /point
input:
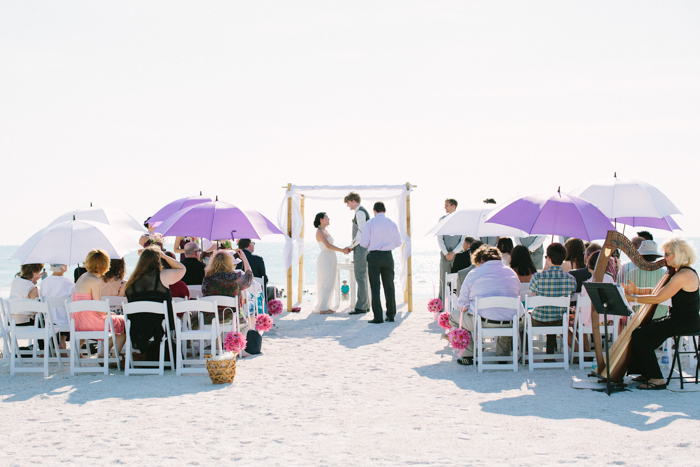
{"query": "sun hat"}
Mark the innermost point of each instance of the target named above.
(648, 247)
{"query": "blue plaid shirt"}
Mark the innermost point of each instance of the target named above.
(553, 282)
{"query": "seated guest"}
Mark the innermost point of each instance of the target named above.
(195, 267)
(683, 318)
(463, 259)
(490, 278)
(178, 289)
(583, 274)
(534, 245)
(24, 286)
(552, 283)
(113, 280)
(462, 273)
(89, 287)
(645, 235)
(575, 250)
(257, 264)
(150, 282)
(220, 278)
(521, 263)
(57, 285)
(505, 246)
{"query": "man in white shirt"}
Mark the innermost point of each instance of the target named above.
(57, 285)
(359, 254)
(490, 278)
(380, 236)
(450, 245)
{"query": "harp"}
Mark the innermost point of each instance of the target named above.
(620, 351)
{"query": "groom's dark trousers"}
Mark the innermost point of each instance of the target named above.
(380, 264)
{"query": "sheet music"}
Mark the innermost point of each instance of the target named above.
(621, 291)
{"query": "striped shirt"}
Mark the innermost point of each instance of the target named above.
(553, 282)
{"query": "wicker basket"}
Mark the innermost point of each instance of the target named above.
(222, 371)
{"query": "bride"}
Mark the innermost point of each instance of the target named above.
(326, 267)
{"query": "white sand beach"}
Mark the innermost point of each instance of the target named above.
(334, 390)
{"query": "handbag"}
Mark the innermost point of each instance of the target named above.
(254, 342)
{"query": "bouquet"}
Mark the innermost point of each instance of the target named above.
(264, 323)
(459, 338)
(444, 320)
(435, 305)
(274, 307)
(234, 342)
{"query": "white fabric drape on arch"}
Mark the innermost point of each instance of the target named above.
(369, 194)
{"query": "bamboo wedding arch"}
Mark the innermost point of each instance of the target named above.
(290, 219)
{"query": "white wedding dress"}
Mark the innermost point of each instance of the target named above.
(326, 274)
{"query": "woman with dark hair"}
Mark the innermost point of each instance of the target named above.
(150, 282)
(521, 263)
(326, 266)
(575, 249)
(113, 280)
(505, 246)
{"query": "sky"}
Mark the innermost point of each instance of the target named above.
(134, 104)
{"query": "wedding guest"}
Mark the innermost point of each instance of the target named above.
(534, 244)
(178, 289)
(179, 246)
(554, 282)
(193, 263)
(490, 278)
(450, 246)
(257, 264)
(521, 263)
(574, 254)
(221, 278)
(113, 280)
(583, 274)
(505, 246)
(150, 282)
(463, 259)
(89, 287)
(462, 273)
(645, 235)
(684, 316)
(345, 290)
(57, 285)
(24, 286)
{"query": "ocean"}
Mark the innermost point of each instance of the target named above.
(425, 266)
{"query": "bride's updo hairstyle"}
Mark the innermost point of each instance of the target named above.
(317, 220)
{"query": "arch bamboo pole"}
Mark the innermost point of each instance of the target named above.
(301, 258)
(289, 233)
(408, 293)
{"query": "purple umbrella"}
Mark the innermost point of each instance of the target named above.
(177, 205)
(217, 220)
(664, 223)
(557, 214)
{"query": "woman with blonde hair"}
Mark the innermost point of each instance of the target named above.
(683, 316)
(221, 278)
(89, 287)
(150, 283)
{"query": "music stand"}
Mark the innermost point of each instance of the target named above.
(608, 299)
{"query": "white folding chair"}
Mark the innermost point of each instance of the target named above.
(77, 364)
(524, 290)
(115, 303)
(195, 291)
(33, 333)
(451, 293)
(184, 333)
(54, 303)
(4, 331)
(579, 330)
(228, 302)
(130, 366)
(482, 332)
(536, 358)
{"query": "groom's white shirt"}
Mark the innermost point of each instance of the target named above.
(361, 221)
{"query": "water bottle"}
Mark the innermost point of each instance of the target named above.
(594, 366)
(664, 360)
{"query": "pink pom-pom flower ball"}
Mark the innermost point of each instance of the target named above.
(274, 307)
(459, 338)
(435, 305)
(264, 323)
(234, 342)
(444, 320)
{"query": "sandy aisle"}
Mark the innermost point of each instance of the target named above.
(334, 390)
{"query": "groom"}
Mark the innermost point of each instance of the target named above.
(352, 201)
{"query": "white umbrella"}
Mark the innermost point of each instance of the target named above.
(470, 221)
(112, 216)
(69, 243)
(620, 197)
